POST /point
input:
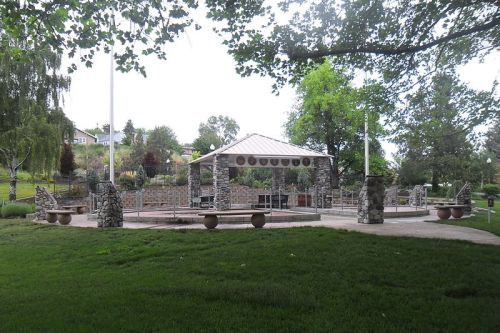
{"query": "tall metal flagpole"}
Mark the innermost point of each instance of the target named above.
(111, 119)
(367, 155)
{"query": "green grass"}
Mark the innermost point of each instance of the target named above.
(480, 219)
(25, 189)
(63, 279)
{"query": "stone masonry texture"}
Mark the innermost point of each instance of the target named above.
(222, 197)
(371, 201)
(109, 207)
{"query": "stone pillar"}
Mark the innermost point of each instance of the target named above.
(371, 200)
(278, 180)
(194, 182)
(464, 198)
(417, 196)
(222, 200)
(323, 182)
(109, 207)
(43, 201)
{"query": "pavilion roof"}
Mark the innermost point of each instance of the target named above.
(260, 146)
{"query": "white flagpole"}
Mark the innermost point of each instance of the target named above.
(111, 120)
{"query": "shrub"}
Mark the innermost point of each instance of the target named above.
(16, 210)
(92, 180)
(140, 177)
(127, 180)
(491, 189)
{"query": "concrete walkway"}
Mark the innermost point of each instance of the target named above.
(408, 227)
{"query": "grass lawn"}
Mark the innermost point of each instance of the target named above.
(25, 189)
(63, 279)
(480, 219)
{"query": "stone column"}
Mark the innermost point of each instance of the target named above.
(278, 180)
(222, 200)
(43, 201)
(109, 207)
(417, 196)
(371, 200)
(323, 182)
(464, 198)
(194, 182)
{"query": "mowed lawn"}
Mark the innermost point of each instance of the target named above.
(25, 189)
(480, 219)
(64, 279)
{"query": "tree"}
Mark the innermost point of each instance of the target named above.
(138, 150)
(436, 130)
(403, 41)
(32, 126)
(129, 132)
(223, 128)
(150, 164)
(330, 115)
(67, 160)
(204, 141)
(83, 28)
(140, 177)
(162, 142)
(94, 131)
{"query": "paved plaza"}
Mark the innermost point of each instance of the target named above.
(421, 227)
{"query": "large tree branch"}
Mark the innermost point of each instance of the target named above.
(390, 50)
(24, 159)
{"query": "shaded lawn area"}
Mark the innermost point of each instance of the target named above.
(25, 189)
(480, 219)
(63, 279)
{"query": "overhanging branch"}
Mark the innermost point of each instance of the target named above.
(390, 50)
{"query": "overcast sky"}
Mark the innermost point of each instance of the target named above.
(198, 80)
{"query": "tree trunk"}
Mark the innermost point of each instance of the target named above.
(435, 182)
(12, 183)
(335, 174)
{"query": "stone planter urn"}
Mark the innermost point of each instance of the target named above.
(457, 212)
(258, 220)
(64, 219)
(210, 221)
(443, 213)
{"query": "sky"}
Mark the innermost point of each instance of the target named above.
(198, 80)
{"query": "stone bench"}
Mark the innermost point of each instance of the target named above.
(211, 220)
(445, 211)
(63, 216)
(79, 209)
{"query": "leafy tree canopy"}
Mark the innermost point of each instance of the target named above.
(32, 126)
(129, 132)
(436, 130)
(162, 142)
(402, 40)
(330, 115)
(82, 28)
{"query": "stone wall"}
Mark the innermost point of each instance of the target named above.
(109, 207)
(323, 182)
(464, 198)
(44, 200)
(371, 201)
(222, 193)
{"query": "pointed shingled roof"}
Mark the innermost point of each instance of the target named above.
(260, 145)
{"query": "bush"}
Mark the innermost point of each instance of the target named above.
(92, 180)
(16, 210)
(491, 189)
(127, 180)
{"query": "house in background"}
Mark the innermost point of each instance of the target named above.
(83, 138)
(103, 139)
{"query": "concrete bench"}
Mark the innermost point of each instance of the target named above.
(79, 209)
(211, 217)
(63, 216)
(445, 211)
